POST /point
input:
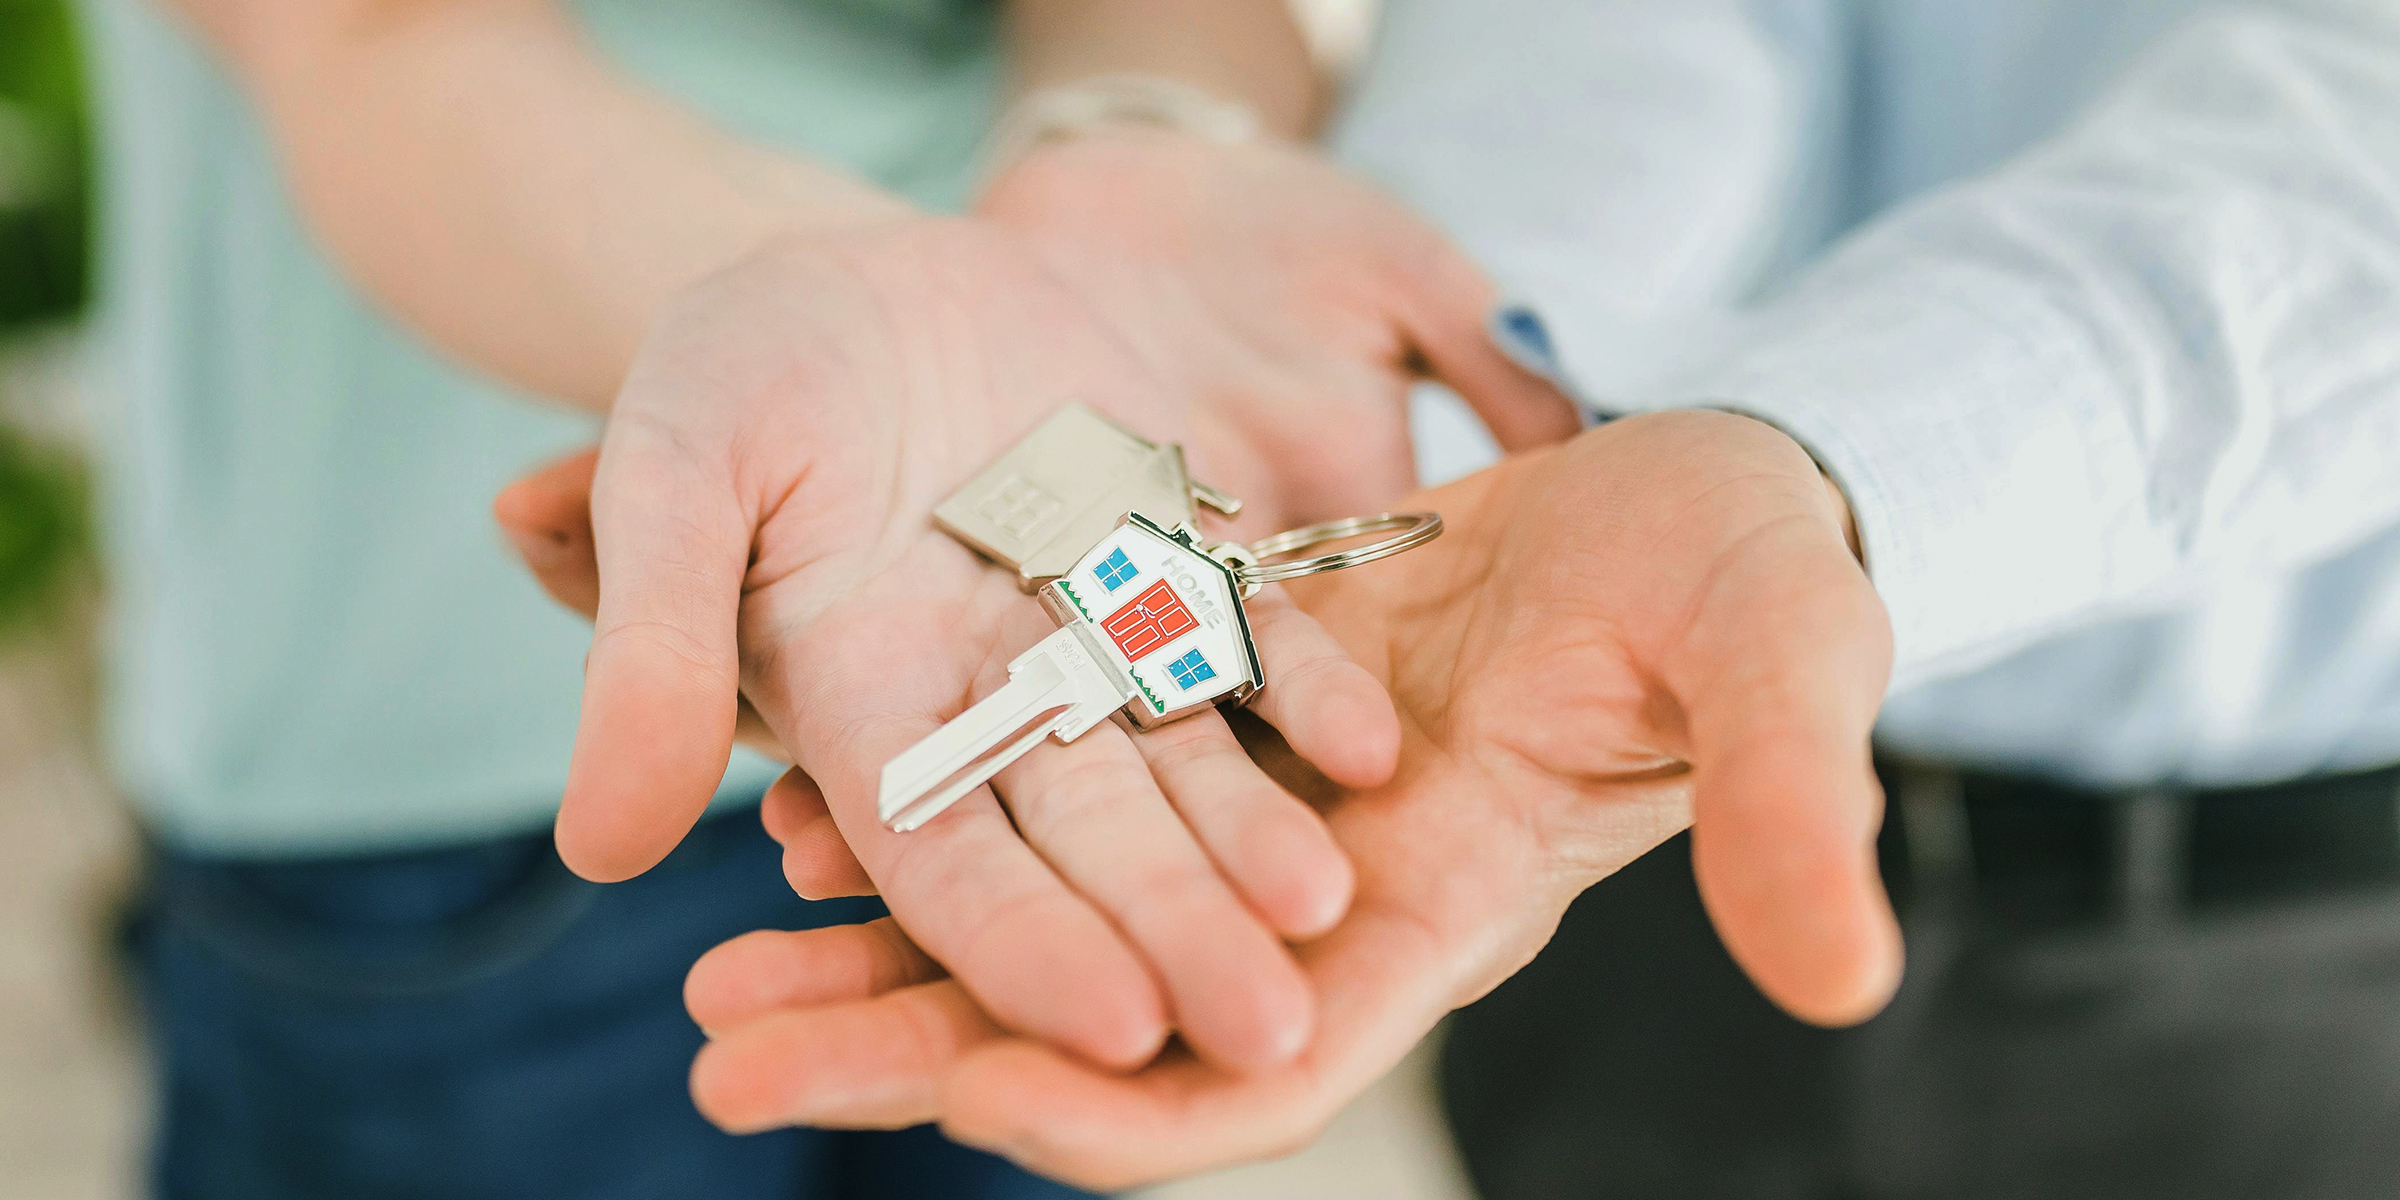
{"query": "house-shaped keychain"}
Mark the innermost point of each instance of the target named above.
(1168, 614)
(1150, 620)
(1065, 486)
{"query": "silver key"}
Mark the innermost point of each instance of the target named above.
(1152, 626)
(1065, 486)
(1058, 687)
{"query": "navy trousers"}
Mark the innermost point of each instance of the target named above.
(476, 1023)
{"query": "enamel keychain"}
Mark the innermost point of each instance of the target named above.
(1101, 526)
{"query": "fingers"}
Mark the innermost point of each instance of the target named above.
(548, 517)
(1031, 951)
(817, 862)
(1274, 849)
(1445, 310)
(1785, 670)
(759, 973)
(874, 1063)
(1107, 1135)
(791, 802)
(751, 731)
(661, 683)
(966, 886)
(1094, 812)
(1330, 709)
(1385, 982)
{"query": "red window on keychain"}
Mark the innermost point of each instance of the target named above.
(1151, 620)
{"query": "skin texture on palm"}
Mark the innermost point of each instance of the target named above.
(759, 519)
(1659, 625)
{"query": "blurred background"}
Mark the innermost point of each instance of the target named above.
(73, 1083)
(71, 1089)
(2214, 976)
(70, 1076)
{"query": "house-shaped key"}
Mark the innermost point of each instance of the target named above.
(1168, 615)
(1150, 626)
(1065, 486)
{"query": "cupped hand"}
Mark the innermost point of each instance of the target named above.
(1660, 624)
(758, 517)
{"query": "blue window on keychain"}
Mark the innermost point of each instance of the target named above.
(1115, 570)
(1191, 671)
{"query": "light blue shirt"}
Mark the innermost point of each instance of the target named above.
(2091, 306)
(320, 642)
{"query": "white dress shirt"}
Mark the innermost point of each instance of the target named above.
(2107, 357)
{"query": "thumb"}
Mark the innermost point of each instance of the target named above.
(1446, 307)
(662, 683)
(1782, 672)
(548, 518)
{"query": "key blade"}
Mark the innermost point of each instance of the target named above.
(903, 807)
(1056, 687)
(973, 746)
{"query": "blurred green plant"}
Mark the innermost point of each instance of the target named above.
(43, 510)
(45, 194)
(45, 164)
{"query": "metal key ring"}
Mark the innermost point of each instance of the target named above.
(1416, 529)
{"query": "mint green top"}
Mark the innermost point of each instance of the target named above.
(321, 643)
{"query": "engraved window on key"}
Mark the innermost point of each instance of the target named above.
(1017, 507)
(1151, 620)
(1115, 571)
(1191, 670)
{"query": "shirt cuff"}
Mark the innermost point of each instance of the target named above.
(1959, 419)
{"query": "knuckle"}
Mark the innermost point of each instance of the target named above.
(993, 925)
(931, 1038)
(1174, 895)
(672, 641)
(1084, 788)
(1315, 675)
(893, 960)
(648, 444)
(1177, 751)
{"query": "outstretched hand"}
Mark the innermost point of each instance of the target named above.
(1660, 624)
(759, 519)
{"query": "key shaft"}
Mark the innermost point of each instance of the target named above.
(1058, 688)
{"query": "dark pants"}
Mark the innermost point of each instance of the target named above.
(2119, 997)
(477, 1023)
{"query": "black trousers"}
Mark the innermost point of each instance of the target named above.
(2120, 997)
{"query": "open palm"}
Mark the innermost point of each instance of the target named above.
(759, 516)
(1659, 625)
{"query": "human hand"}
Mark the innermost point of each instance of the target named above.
(1278, 249)
(764, 486)
(1658, 625)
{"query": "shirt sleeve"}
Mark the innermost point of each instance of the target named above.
(1677, 142)
(2162, 348)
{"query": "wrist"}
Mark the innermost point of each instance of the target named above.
(1116, 103)
(1849, 520)
(1845, 517)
